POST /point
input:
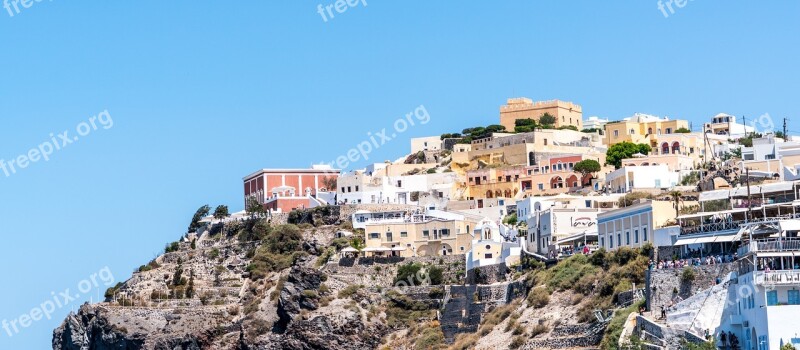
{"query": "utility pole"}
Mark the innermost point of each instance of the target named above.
(744, 122)
(784, 129)
(749, 202)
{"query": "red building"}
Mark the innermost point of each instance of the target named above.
(288, 189)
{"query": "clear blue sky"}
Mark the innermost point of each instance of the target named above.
(203, 93)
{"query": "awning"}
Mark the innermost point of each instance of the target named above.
(577, 237)
(790, 225)
(398, 249)
(707, 239)
(349, 250)
(728, 238)
(714, 195)
(685, 241)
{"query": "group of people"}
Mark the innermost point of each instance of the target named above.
(681, 263)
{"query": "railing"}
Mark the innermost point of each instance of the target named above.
(712, 227)
(777, 277)
(771, 245)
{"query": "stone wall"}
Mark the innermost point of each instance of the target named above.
(661, 283)
(381, 271)
(487, 274)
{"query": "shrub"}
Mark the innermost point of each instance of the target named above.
(435, 274)
(538, 329)
(517, 342)
(431, 338)
(408, 274)
(538, 298)
(172, 247)
(349, 291)
(687, 275)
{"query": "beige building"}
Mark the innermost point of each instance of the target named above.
(566, 113)
(633, 226)
(641, 128)
(421, 236)
(431, 143)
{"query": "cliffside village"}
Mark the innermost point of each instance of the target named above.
(547, 183)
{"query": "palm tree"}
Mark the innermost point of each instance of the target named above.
(677, 198)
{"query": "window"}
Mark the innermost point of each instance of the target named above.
(794, 297)
(602, 241)
(635, 236)
(658, 131)
(445, 232)
(616, 134)
(772, 298)
(628, 237)
(644, 234)
(403, 234)
(349, 189)
(356, 188)
(461, 248)
(669, 130)
(425, 233)
(545, 142)
(342, 189)
(374, 235)
(541, 187)
(488, 256)
(619, 239)
(631, 131)
(588, 204)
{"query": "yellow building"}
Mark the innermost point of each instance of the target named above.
(421, 236)
(566, 113)
(641, 128)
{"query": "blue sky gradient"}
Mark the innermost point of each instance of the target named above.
(204, 93)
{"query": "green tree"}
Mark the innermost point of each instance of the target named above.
(357, 243)
(436, 275)
(547, 119)
(254, 208)
(623, 150)
(221, 212)
(408, 274)
(198, 215)
(677, 197)
(525, 122)
(788, 346)
(190, 286)
(682, 131)
(586, 166)
(495, 128)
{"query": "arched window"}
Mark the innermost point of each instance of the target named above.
(676, 147)
(649, 131)
(531, 158)
(664, 148)
(572, 181)
(498, 194)
(489, 194)
(557, 182)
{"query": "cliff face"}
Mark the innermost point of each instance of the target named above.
(89, 330)
(223, 291)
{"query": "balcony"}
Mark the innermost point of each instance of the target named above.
(712, 227)
(770, 246)
(785, 278)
